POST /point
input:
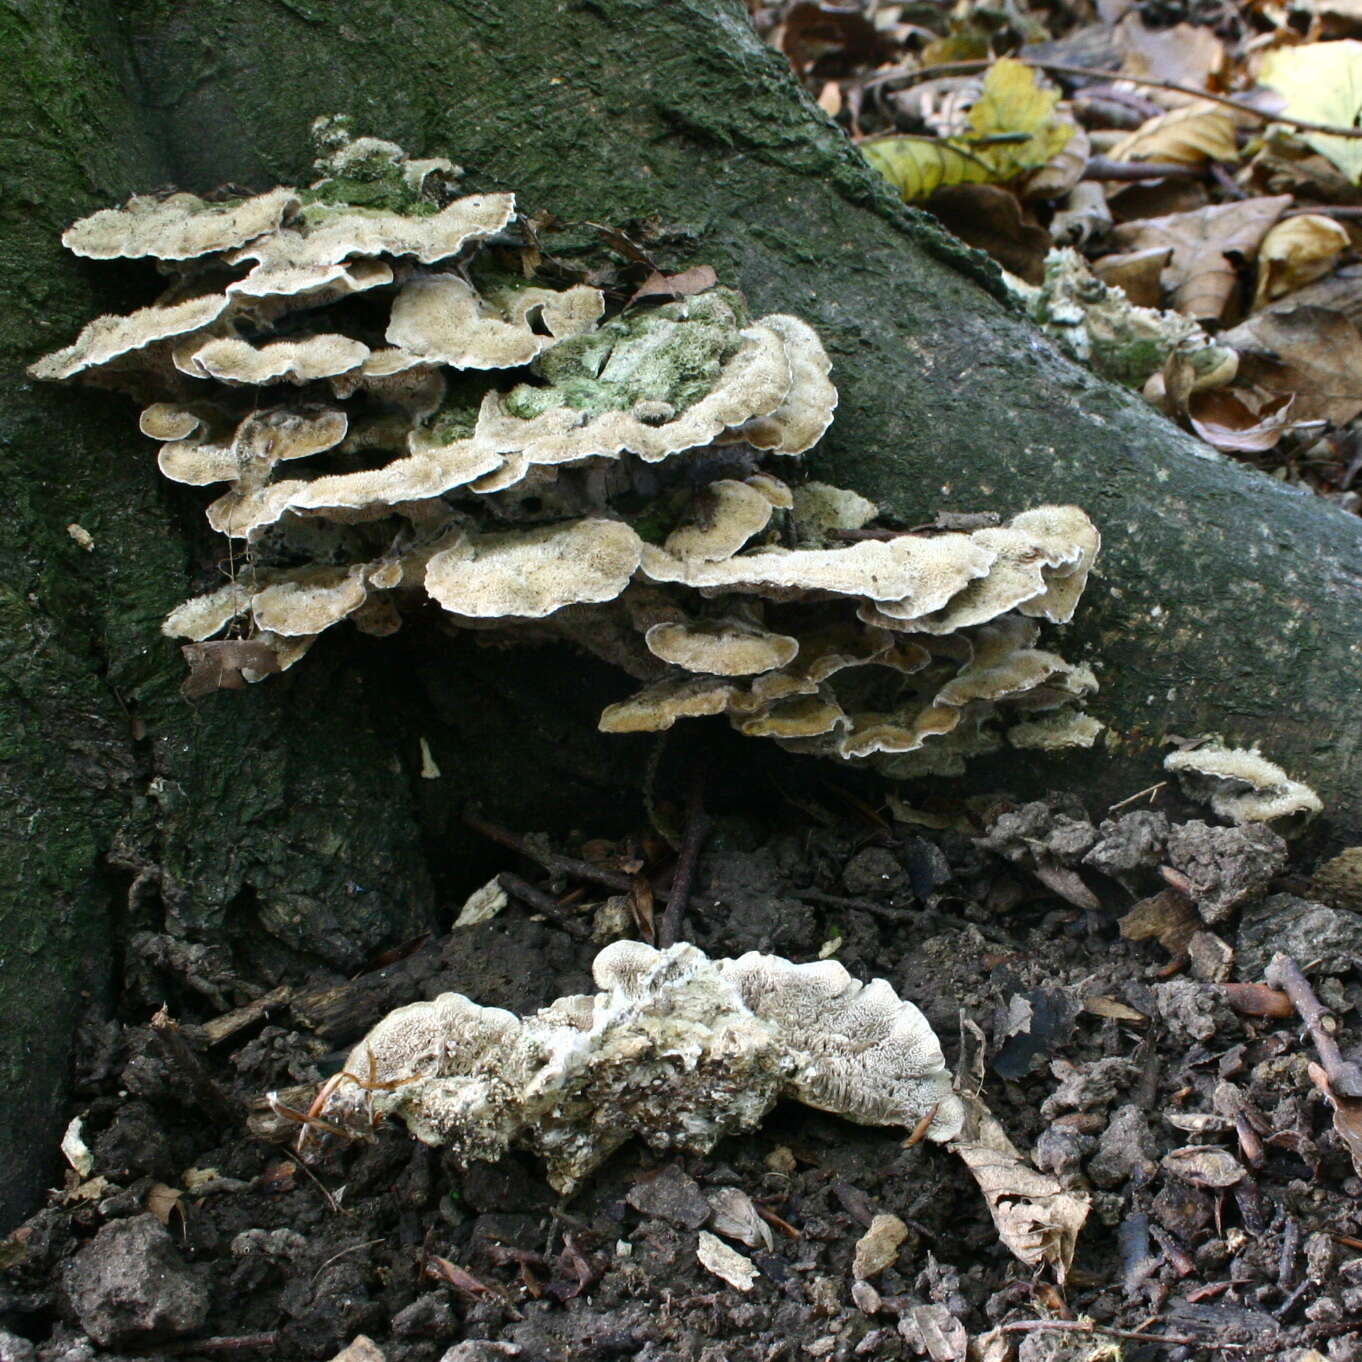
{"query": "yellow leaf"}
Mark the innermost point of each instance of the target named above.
(1014, 129)
(1013, 104)
(1295, 252)
(1200, 132)
(1322, 83)
(918, 166)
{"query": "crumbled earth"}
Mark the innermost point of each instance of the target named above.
(1146, 1070)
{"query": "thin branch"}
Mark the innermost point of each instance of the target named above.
(542, 903)
(697, 829)
(962, 68)
(550, 860)
(1083, 1326)
(1345, 1078)
(853, 905)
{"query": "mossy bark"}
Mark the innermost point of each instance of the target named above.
(290, 821)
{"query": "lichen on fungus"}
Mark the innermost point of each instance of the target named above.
(398, 409)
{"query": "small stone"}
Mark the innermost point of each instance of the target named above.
(1225, 866)
(1339, 882)
(781, 1160)
(1210, 958)
(130, 1286)
(15, 1349)
(1127, 1146)
(1331, 939)
(363, 1349)
(878, 1246)
(672, 1196)
(874, 872)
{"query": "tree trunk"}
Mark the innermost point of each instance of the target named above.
(289, 823)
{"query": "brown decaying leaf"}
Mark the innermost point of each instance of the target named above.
(163, 1201)
(694, 280)
(217, 665)
(1347, 1115)
(1166, 916)
(811, 34)
(1308, 351)
(1099, 1005)
(1037, 1218)
(1224, 418)
(1186, 54)
(1136, 272)
(992, 219)
(1199, 276)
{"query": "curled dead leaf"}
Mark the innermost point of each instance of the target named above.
(1204, 1166)
(1235, 422)
(1192, 136)
(1297, 251)
(1036, 1216)
(218, 664)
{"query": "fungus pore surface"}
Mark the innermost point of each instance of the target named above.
(677, 1049)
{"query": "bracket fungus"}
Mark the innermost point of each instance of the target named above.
(457, 428)
(676, 1048)
(1242, 786)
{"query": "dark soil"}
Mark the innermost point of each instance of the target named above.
(191, 1234)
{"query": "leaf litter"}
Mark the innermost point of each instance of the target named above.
(1204, 159)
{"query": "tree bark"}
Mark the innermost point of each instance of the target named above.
(289, 823)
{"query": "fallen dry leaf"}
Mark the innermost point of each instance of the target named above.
(1063, 171)
(1322, 83)
(722, 1261)
(1036, 1216)
(658, 285)
(734, 1215)
(1190, 136)
(1233, 421)
(1136, 273)
(1186, 54)
(1295, 252)
(992, 219)
(1307, 351)
(1199, 276)
(1166, 916)
(1204, 1166)
(163, 1201)
(1347, 1115)
(218, 665)
(932, 1331)
(878, 1247)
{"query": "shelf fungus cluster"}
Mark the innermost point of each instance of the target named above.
(395, 414)
(676, 1048)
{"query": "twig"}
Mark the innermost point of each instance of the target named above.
(1098, 168)
(850, 904)
(1328, 210)
(697, 829)
(963, 68)
(336, 1257)
(175, 1049)
(542, 903)
(1084, 1326)
(1344, 1077)
(1151, 790)
(550, 860)
(220, 1344)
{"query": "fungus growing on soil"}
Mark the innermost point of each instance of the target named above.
(677, 1049)
(543, 466)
